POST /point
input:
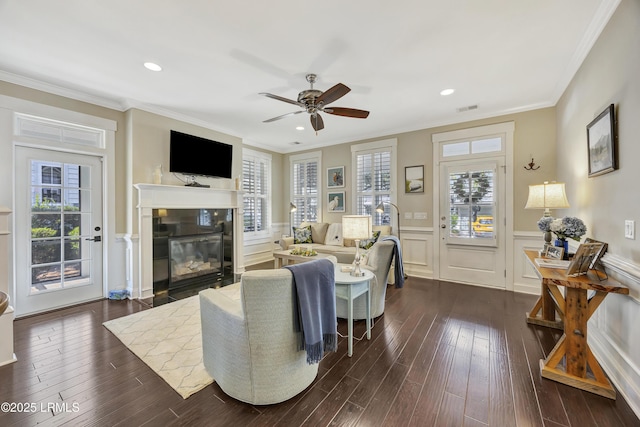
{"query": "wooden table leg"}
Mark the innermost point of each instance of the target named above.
(574, 349)
(543, 312)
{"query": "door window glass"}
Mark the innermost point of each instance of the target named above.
(472, 204)
(60, 222)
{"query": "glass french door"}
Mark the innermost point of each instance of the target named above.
(58, 229)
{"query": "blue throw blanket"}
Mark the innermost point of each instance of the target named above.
(398, 267)
(315, 287)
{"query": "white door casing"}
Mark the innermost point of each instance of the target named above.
(485, 258)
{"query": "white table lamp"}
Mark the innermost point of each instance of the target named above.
(356, 227)
(547, 196)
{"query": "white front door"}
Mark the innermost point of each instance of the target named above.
(58, 221)
(471, 222)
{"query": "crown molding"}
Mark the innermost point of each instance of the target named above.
(61, 91)
(589, 38)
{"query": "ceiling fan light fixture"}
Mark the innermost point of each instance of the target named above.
(152, 66)
(314, 101)
(447, 92)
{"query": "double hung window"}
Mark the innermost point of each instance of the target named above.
(256, 183)
(375, 179)
(305, 187)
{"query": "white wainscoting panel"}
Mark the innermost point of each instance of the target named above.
(417, 251)
(525, 279)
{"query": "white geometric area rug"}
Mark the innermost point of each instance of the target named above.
(168, 339)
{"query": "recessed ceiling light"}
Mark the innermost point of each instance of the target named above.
(299, 127)
(447, 92)
(152, 66)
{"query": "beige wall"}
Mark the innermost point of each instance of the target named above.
(535, 135)
(609, 75)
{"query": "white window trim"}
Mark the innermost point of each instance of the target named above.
(382, 145)
(298, 158)
(248, 153)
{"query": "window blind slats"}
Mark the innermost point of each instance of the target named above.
(373, 184)
(305, 180)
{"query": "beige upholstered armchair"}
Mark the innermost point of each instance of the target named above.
(379, 261)
(248, 340)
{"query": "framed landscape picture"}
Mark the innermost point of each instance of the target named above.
(601, 140)
(335, 177)
(335, 201)
(414, 179)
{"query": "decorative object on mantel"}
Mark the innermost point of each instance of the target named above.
(547, 196)
(568, 227)
(532, 166)
(601, 143)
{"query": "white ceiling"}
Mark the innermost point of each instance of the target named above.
(217, 56)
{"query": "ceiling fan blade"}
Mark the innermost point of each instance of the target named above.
(317, 122)
(279, 98)
(347, 112)
(282, 116)
(332, 94)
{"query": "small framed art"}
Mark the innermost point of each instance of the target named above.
(601, 141)
(414, 179)
(555, 252)
(335, 201)
(335, 177)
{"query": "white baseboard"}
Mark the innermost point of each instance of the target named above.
(621, 371)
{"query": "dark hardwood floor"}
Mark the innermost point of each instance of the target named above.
(443, 354)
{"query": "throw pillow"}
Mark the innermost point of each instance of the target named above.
(334, 235)
(366, 244)
(318, 231)
(302, 235)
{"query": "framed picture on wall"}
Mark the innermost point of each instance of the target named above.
(414, 179)
(335, 201)
(335, 177)
(601, 140)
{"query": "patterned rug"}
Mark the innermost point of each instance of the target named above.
(168, 338)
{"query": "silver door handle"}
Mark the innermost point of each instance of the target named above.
(95, 239)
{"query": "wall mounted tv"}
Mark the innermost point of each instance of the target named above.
(193, 155)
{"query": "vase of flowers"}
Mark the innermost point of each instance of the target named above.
(567, 227)
(544, 225)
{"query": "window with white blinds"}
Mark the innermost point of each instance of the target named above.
(256, 180)
(374, 169)
(305, 187)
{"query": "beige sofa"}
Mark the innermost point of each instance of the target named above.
(327, 239)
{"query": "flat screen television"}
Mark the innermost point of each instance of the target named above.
(193, 155)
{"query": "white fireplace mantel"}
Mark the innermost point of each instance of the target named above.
(153, 196)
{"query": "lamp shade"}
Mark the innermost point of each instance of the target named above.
(547, 195)
(356, 227)
(292, 207)
(380, 208)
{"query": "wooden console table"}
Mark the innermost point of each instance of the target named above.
(574, 308)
